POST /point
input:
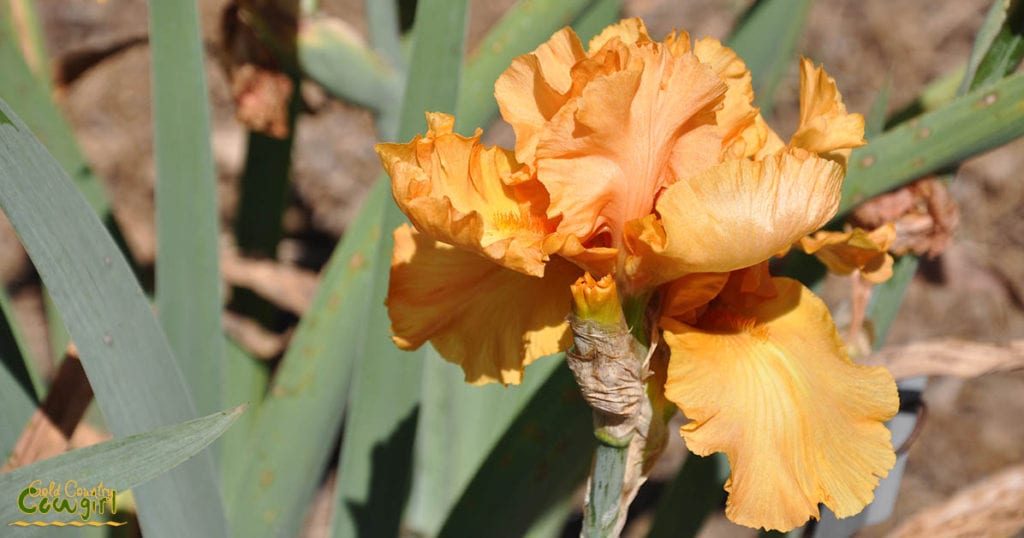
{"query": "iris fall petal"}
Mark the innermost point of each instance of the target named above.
(490, 320)
(736, 215)
(770, 385)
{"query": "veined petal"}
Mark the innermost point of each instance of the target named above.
(490, 320)
(825, 128)
(772, 387)
(857, 249)
(735, 215)
(606, 154)
(458, 191)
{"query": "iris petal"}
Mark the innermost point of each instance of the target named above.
(607, 129)
(736, 215)
(490, 320)
(857, 249)
(458, 191)
(744, 131)
(825, 127)
(604, 156)
(770, 384)
(535, 87)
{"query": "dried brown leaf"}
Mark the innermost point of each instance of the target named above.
(884, 208)
(991, 507)
(924, 213)
(859, 343)
(289, 288)
(261, 99)
(51, 426)
(253, 338)
(88, 435)
(950, 357)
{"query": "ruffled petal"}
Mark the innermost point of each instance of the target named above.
(825, 128)
(735, 215)
(607, 153)
(857, 249)
(458, 191)
(773, 143)
(535, 87)
(678, 43)
(490, 320)
(773, 388)
(742, 134)
(627, 31)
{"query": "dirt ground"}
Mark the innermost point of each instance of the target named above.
(974, 291)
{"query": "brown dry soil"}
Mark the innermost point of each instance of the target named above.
(972, 291)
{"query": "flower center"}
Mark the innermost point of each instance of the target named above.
(720, 319)
(513, 222)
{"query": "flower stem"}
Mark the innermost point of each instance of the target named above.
(608, 361)
(635, 310)
(600, 519)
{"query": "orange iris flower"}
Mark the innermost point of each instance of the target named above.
(647, 161)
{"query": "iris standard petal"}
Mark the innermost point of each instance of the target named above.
(770, 385)
(825, 127)
(627, 31)
(606, 154)
(490, 320)
(744, 133)
(535, 87)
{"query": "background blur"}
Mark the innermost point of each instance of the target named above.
(974, 291)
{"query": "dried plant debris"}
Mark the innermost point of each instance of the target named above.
(950, 357)
(261, 97)
(991, 507)
(50, 428)
(287, 287)
(258, 50)
(253, 338)
(924, 213)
